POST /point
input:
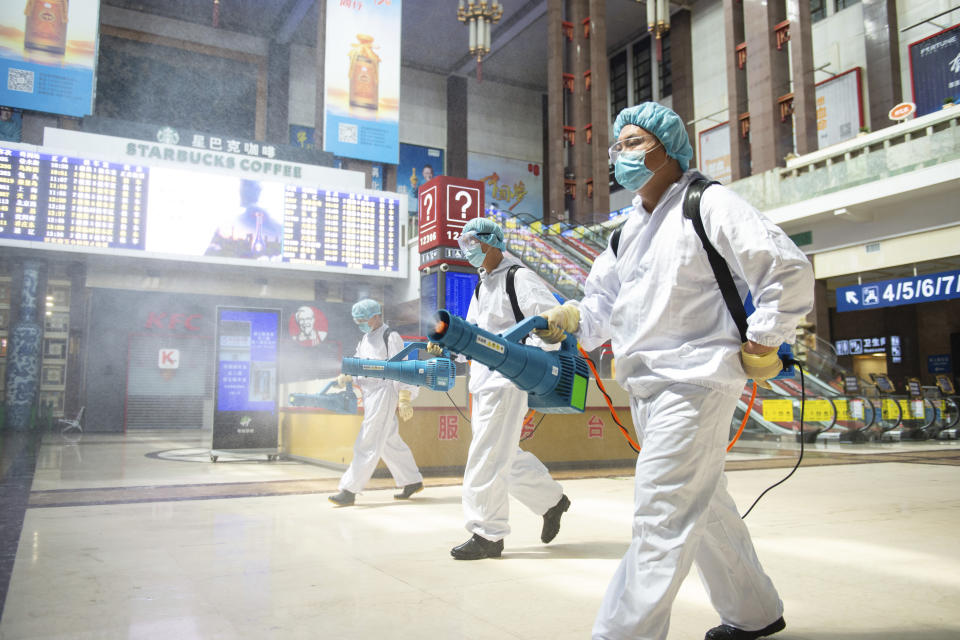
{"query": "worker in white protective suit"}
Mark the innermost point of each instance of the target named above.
(496, 465)
(679, 355)
(383, 400)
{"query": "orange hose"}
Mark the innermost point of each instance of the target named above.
(626, 434)
(753, 396)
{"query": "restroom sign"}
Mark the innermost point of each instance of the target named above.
(168, 359)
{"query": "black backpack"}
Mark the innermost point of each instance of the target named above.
(511, 292)
(721, 271)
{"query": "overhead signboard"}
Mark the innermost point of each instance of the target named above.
(215, 155)
(362, 80)
(892, 293)
(839, 108)
(935, 69)
(63, 202)
(48, 53)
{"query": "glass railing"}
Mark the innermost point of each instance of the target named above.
(908, 146)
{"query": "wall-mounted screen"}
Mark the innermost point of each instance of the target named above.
(100, 205)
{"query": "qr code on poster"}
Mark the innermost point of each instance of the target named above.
(20, 80)
(347, 133)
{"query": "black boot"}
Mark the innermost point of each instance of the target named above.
(408, 491)
(343, 499)
(477, 548)
(551, 519)
(726, 632)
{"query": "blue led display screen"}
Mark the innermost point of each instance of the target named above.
(247, 360)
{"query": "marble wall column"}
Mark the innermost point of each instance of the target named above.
(736, 89)
(23, 350)
(882, 42)
(600, 125)
(768, 78)
(457, 118)
(554, 161)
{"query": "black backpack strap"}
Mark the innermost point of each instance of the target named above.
(476, 291)
(615, 240)
(691, 211)
(386, 344)
(512, 293)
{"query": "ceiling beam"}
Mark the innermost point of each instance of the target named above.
(293, 20)
(510, 29)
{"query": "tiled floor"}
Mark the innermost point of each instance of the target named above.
(861, 550)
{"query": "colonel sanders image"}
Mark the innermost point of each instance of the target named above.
(308, 327)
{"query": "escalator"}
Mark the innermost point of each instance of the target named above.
(563, 254)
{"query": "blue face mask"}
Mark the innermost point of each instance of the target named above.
(364, 326)
(475, 256)
(631, 171)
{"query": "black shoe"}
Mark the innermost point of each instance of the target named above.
(477, 548)
(343, 499)
(726, 632)
(408, 491)
(551, 519)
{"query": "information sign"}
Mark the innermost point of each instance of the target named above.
(446, 205)
(892, 293)
(245, 407)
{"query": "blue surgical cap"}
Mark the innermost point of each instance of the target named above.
(365, 309)
(663, 123)
(487, 230)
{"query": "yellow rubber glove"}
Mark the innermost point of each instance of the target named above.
(434, 349)
(563, 319)
(404, 408)
(761, 367)
(343, 379)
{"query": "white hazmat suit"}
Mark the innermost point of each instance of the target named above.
(678, 354)
(496, 465)
(379, 435)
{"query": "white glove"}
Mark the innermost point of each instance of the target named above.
(434, 348)
(562, 319)
(761, 367)
(343, 379)
(404, 408)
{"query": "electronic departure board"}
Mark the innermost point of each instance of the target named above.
(102, 205)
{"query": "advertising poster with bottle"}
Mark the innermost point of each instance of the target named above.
(514, 187)
(362, 80)
(417, 165)
(48, 52)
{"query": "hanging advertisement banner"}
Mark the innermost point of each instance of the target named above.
(839, 108)
(514, 187)
(935, 70)
(362, 80)
(715, 153)
(48, 52)
(245, 416)
(417, 165)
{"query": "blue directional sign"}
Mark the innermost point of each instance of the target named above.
(893, 293)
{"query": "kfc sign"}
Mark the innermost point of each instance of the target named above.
(169, 359)
(173, 321)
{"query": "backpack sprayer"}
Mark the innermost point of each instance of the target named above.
(436, 374)
(343, 401)
(556, 381)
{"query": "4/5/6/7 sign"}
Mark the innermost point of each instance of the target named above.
(891, 293)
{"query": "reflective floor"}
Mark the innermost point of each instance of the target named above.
(140, 536)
